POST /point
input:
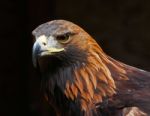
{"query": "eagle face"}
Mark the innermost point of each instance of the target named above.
(60, 39)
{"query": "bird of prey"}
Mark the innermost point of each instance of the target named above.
(79, 79)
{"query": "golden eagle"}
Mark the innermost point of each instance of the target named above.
(79, 79)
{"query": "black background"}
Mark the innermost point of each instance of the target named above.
(122, 28)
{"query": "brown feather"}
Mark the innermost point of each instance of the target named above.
(83, 76)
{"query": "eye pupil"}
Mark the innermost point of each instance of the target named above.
(63, 38)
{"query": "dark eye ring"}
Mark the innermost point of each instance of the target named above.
(63, 38)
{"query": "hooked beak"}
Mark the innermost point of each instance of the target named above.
(44, 46)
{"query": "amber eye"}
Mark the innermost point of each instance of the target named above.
(63, 38)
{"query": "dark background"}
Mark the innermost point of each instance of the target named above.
(122, 28)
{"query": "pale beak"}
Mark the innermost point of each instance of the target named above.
(44, 46)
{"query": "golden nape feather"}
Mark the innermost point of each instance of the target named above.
(79, 79)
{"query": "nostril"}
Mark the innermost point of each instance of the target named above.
(44, 43)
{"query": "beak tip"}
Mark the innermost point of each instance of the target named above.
(34, 60)
(34, 54)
